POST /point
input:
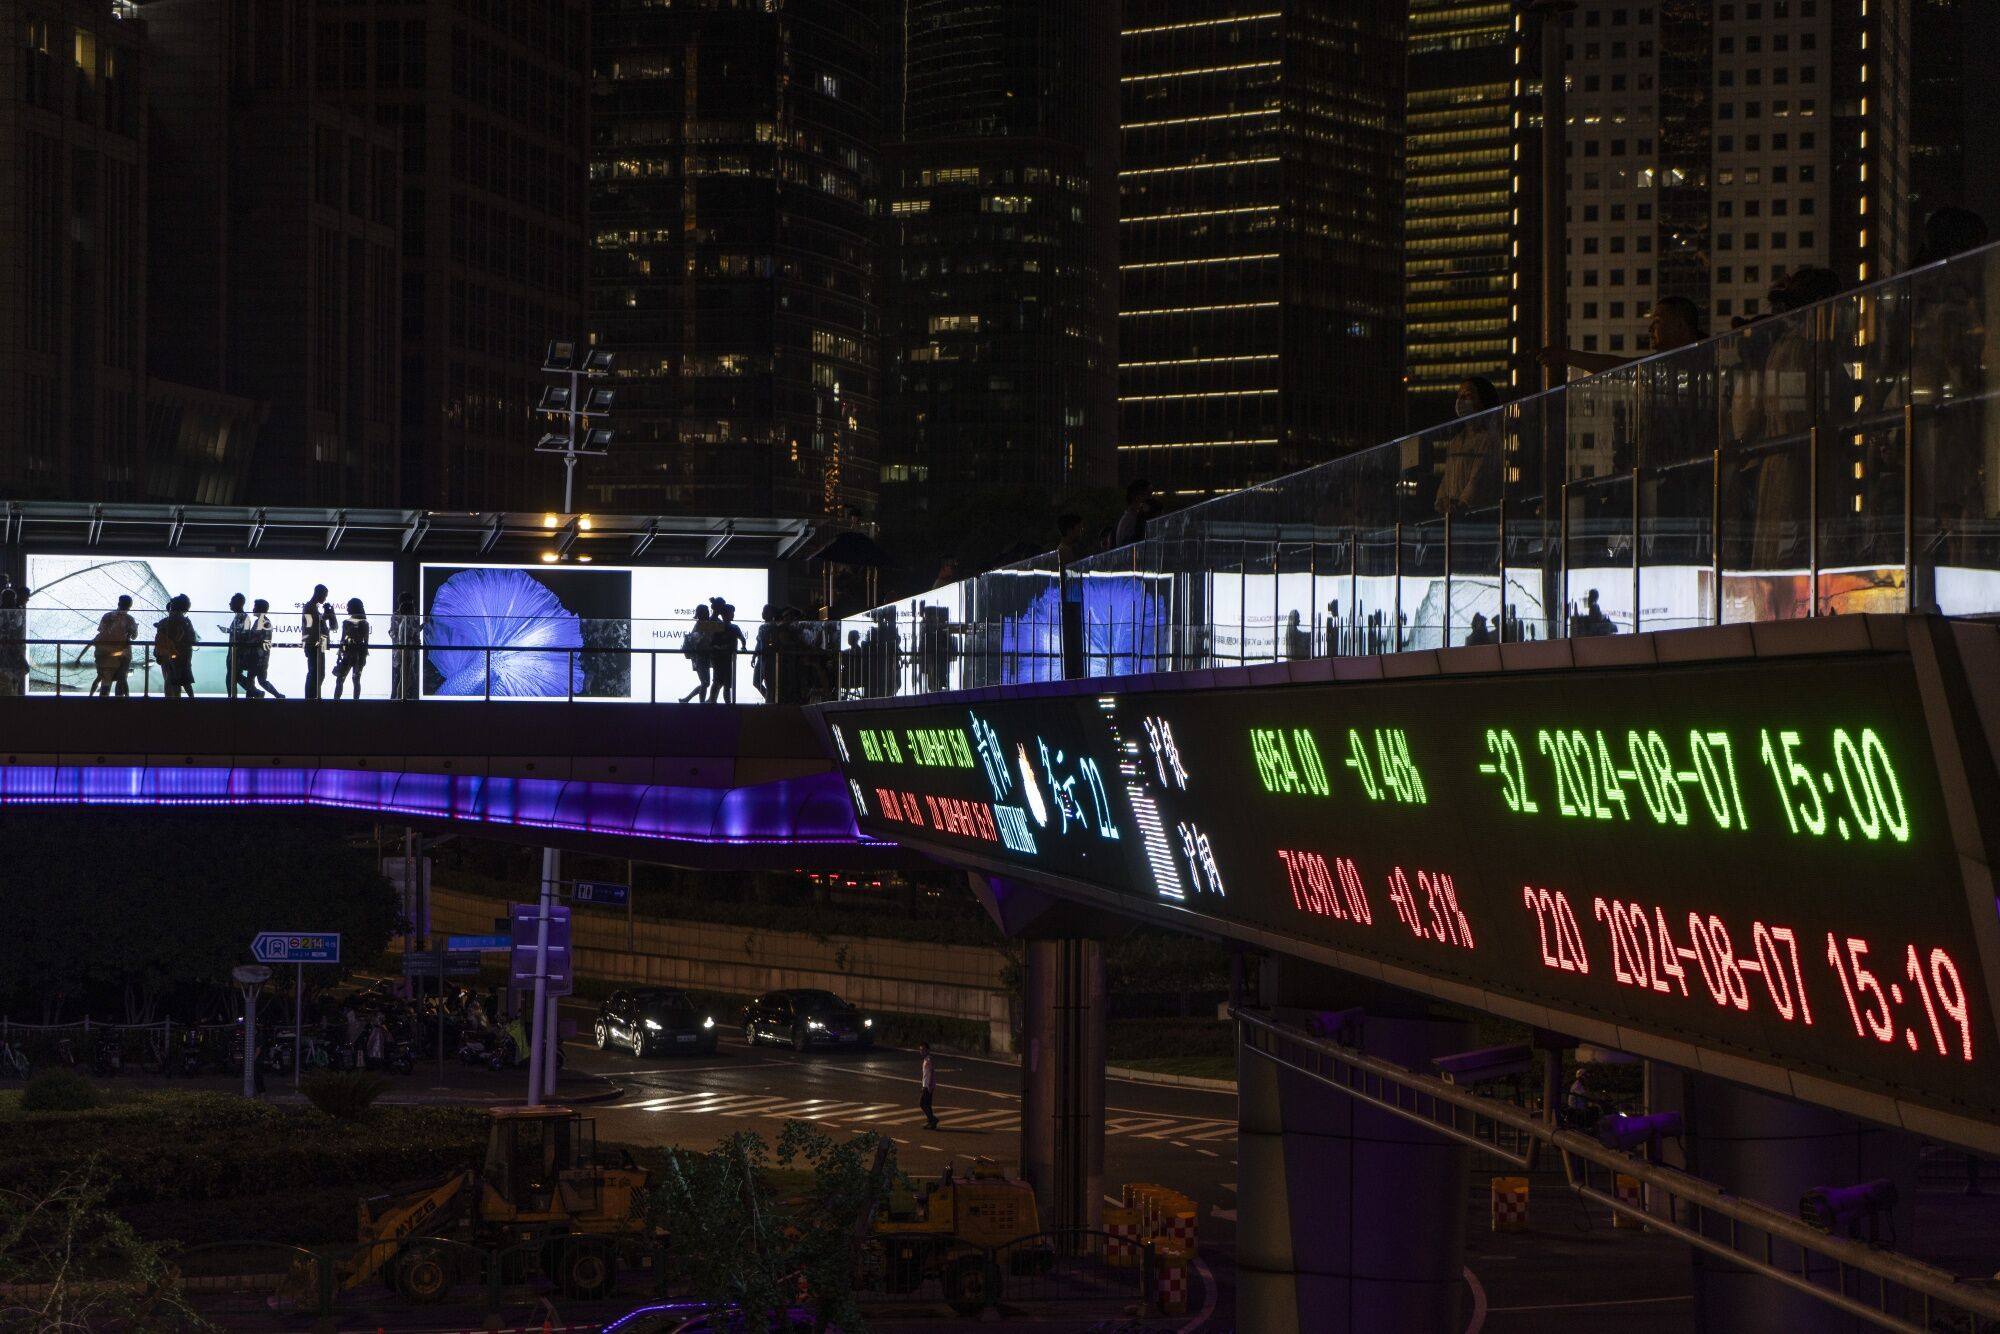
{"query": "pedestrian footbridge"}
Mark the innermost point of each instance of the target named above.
(695, 785)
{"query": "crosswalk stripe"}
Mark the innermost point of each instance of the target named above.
(705, 1102)
(1129, 1125)
(896, 1118)
(983, 1121)
(1213, 1136)
(1190, 1130)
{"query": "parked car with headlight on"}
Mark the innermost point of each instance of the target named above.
(806, 1019)
(650, 1021)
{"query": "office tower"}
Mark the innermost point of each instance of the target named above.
(1000, 249)
(1459, 285)
(81, 401)
(72, 250)
(1954, 108)
(1261, 237)
(274, 273)
(1716, 145)
(732, 165)
(488, 103)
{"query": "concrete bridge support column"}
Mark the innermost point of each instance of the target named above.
(1773, 1150)
(1348, 1218)
(1062, 1080)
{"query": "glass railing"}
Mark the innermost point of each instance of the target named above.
(1840, 459)
(78, 652)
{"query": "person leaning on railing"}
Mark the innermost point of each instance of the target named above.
(1674, 322)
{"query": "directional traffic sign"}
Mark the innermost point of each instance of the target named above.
(296, 947)
(600, 891)
(526, 919)
(428, 964)
(480, 942)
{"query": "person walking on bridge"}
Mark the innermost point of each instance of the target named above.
(927, 1086)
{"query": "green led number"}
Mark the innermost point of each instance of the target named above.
(1881, 773)
(1714, 773)
(1847, 759)
(1866, 766)
(1613, 789)
(1653, 765)
(1513, 770)
(1792, 775)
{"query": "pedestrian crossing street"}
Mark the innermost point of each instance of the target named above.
(890, 1116)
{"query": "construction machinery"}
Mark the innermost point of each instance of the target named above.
(952, 1230)
(541, 1189)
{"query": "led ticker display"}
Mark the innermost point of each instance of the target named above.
(1751, 857)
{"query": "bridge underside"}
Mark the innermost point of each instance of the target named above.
(700, 787)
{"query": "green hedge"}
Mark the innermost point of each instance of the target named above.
(164, 1147)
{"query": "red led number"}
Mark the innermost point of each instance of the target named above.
(1557, 926)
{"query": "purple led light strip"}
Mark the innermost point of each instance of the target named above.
(809, 812)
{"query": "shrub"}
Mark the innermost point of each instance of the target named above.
(58, 1091)
(344, 1095)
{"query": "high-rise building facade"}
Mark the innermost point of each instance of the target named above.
(1261, 230)
(1000, 245)
(275, 272)
(1717, 145)
(1460, 284)
(732, 273)
(82, 400)
(1954, 108)
(72, 248)
(488, 103)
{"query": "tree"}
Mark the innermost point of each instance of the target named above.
(68, 1263)
(123, 910)
(742, 1243)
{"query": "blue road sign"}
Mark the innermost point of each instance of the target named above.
(600, 891)
(480, 942)
(296, 947)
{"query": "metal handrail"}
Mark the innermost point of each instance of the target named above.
(1351, 1071)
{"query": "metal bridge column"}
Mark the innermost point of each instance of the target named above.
(1062, 1080)
(1348, 1218)
(1774, 1150)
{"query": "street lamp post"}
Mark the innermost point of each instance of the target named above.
(575, 406)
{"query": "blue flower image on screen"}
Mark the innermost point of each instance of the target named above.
(477, 610)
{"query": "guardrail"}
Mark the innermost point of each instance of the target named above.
(1838, 458)
(1908, 1295)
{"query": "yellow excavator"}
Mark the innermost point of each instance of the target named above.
(540, 1188)
(945, 1230)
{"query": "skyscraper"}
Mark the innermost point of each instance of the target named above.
(72, 249)
(1715, 145)
(999, 248)
(1459, 220)
(732, 270)
(277, 206)
(1261, 233)
(488, 102)
(1954, 108)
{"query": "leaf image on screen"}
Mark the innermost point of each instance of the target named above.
(509, 622)
(67, 606)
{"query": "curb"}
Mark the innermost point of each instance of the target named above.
(1177, 1081)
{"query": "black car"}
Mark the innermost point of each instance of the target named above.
(806, 1019)
(652, 1020)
